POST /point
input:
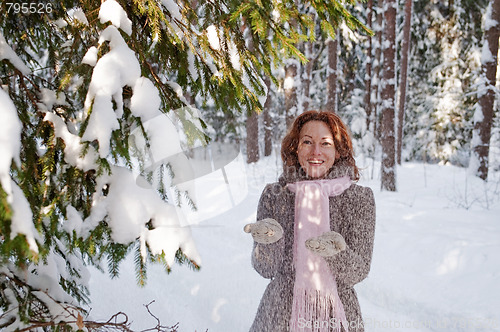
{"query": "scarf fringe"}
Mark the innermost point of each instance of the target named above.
(317, 312)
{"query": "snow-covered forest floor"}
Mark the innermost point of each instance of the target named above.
(436, 261)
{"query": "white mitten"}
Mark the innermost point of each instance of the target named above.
(327, 244)
(265, 231)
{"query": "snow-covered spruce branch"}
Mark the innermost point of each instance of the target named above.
(117, 322)
(21, 299)
(44, 306)
(25, 88)
(113, 324)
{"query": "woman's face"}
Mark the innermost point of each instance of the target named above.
(316, 150)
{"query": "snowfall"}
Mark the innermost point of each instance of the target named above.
(435, 267)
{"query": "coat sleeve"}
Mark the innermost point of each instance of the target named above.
(266, 258)
(352, 265)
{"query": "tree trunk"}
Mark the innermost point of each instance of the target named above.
(377, 70)
(403, 77)
(313, 52)
(268, 123)
(331, 102)
(307, 75)
(292, 69)
(483, 116)
(252, 122)
(368, 78)
(388, 95)
(291, 81)
(252, 127)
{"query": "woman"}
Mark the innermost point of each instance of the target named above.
(314, 232)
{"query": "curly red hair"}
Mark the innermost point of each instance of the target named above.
(341, 138)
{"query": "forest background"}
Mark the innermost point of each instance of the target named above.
(92, 91)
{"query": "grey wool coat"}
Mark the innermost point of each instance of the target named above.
(352, 214)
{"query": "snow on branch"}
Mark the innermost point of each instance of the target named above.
(113, 12)
(7, 53)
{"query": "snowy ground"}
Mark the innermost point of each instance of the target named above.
(436, 261)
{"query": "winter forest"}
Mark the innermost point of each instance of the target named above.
(137, 135)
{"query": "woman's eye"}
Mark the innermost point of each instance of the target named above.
(327, 143)
(307, 142)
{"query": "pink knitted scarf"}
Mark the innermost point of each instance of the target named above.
(316, 303)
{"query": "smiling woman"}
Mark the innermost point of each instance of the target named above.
(316, 150)
(314, 232)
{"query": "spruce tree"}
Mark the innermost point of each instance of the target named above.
(442, 82)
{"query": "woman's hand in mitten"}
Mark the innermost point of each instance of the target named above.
(265, 231)
(327, 244)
